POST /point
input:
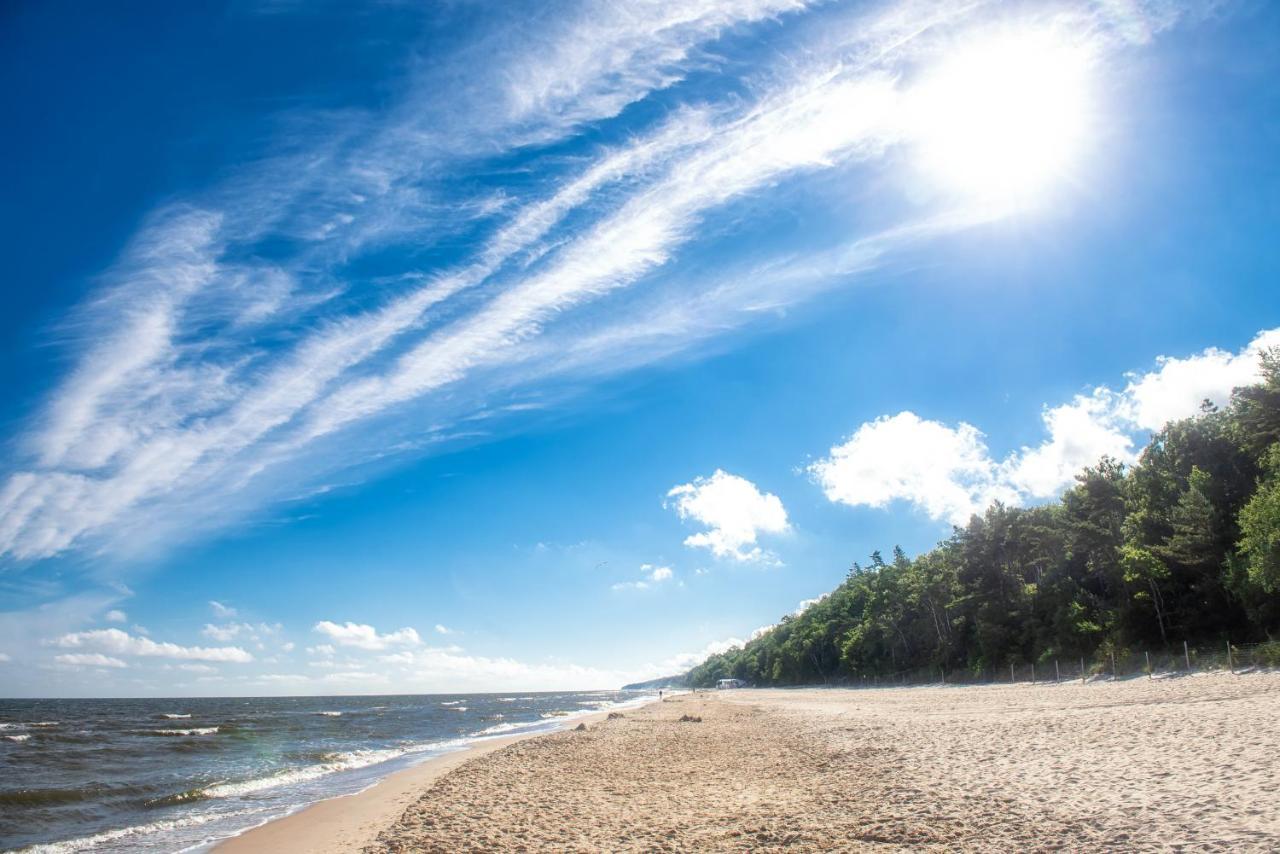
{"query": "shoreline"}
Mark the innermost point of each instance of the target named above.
(350, 822)
(1136, 764)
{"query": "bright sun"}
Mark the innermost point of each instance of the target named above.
(1004, 116)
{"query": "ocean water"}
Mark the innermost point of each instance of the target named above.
(180, 774)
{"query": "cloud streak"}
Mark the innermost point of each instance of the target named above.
(209, 382)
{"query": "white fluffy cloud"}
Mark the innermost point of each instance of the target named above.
(366, 637)
(1176, 388)
(88, 659)
(949, 473)
(118, 642)
(946, 471)
(1080, 433)
(734, 512)
(652, 575)
(115, 615)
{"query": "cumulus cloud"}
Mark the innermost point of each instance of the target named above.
(944, 470)
(89, 659)
(1176, 387)
(118, 642)
(652, 575)
(366, 637)
(949, 473)
(444, 630)
(734, 512)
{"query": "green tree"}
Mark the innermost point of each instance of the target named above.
(1260, 529)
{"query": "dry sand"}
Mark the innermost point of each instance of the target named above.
(1173, 764)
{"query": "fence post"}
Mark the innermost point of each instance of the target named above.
(1148, 656)
(1186, 653)
(1114, 674)
(1230, 664)
(1011, 672)
(1057, 671)
(1033, 673)
(1082, 670)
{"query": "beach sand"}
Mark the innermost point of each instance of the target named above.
(1168, 764)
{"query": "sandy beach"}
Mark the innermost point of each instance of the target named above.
(1167, 764)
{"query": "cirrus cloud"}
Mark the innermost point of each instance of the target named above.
(176, 417)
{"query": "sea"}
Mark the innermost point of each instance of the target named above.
(181, 774)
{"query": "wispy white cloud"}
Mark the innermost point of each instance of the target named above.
(453, 669)
(209, 382)
(221, 610)
(733, 510)
(949, 473)
(88, 659)
(230, 631)
(679, 663)
(115, 615)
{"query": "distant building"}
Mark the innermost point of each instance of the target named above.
(731, 683)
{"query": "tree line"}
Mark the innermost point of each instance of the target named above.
(1182, 546)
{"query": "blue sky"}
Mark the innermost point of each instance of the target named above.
(412, 347)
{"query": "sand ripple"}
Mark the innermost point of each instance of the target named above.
(1143, 765)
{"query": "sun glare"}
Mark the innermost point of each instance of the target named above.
(1003, 117)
